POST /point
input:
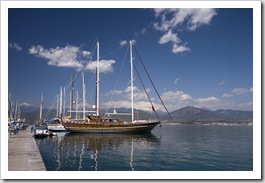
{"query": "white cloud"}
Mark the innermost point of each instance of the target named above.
(179, 48)
(128, 89)
(175, 100)
(142, 105)
(158, 11)
(123, 42)
(141, 96)
(213, 103)
(170, 21)
(68, 56)
(86, 53)
(143, 31)
(176, 80)
(115, 92)
(174, 96)
(25, 104)
(209, 100)
(118, 104)
(227, 95)
(104, 65)
(248, 105)
(15, 46)
(193, 17)
(169, 36)
(176, 17)
(199, 17)
(238, 91)
(140, 99)
(138, 95)
(133, 41)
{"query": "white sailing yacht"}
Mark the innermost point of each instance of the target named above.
(107, 124)
(57, 125)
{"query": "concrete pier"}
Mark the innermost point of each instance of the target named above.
(23, 153)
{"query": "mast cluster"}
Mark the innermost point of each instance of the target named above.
(97, 103)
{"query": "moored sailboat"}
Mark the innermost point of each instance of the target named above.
(97, 123)
(56, 125)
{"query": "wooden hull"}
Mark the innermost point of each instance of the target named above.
(109, 128)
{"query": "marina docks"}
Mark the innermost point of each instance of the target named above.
(23, 153)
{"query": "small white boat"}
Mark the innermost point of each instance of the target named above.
(43, 132)
(56, 127)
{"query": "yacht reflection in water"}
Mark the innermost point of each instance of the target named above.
(104, 152)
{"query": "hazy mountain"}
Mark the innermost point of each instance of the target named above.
(195, 114)
(33, 114)
(29, 108)
(185, 114)
(236, 114)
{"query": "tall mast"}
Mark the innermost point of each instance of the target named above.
(76, 105)
(16, 111)
(84, 97)
(41, 103)
(11, 114)
(61, 102)
(72, 94)
(97, 82)
(70, 111)
(131, 60)
(57, 112)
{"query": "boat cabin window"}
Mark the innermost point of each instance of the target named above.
(108, 120)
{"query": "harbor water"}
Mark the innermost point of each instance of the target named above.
(167, 148)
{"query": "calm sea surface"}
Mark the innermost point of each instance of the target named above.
(167, 148)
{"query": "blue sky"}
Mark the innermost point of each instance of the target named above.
(198, 57)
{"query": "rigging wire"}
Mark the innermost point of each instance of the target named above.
(145, 91)
(152, 83)
(119, 76)
(111, 52)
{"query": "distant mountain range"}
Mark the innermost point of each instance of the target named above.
(185, 114)
(195, 114)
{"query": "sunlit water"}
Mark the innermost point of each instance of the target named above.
(167, 148)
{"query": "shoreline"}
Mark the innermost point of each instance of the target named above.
(209, 123)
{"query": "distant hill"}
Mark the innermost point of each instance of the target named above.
(236, 115)
(185, 114)
(195, 114)
(32, 113)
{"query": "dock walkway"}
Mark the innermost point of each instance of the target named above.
(23, 153)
